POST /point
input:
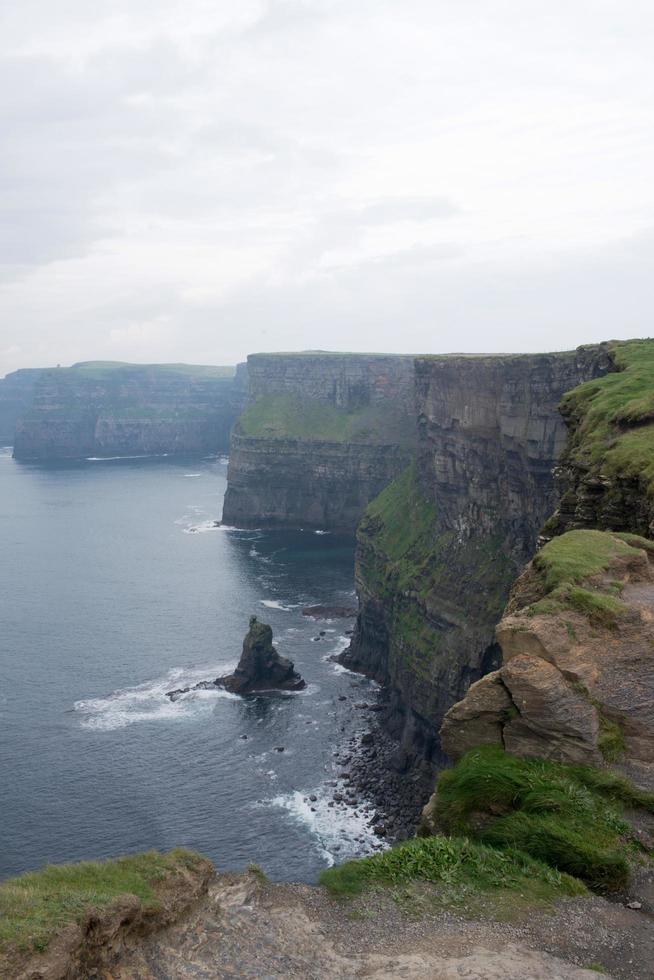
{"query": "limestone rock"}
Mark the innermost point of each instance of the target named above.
(580, 690)
(479, 718)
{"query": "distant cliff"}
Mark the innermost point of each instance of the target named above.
(321, 436)
(114, 409)
(16, 394)
(438, 550)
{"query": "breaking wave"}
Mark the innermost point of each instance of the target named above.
(148, 701)
(340, 831)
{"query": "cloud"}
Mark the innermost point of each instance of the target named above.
(190, 180)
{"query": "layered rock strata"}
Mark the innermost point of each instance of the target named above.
(321, 436)
(605, 476)
(16, 395)
(437, 552)
(577, 677)
(106, 409)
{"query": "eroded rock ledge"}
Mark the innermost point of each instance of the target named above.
(577, 677)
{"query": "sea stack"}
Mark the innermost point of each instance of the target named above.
(261, 668)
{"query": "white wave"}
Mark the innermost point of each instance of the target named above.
(192, 474)
(148, 701)
(106, 459)
(340, 831)
(203, 527)
(276, 604)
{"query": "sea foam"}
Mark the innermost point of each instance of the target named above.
(148, 702)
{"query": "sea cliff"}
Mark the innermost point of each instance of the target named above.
(115, 409)
(438, 550)
(321, 436)
(16, 395)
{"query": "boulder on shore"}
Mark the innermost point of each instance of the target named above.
(260, 668)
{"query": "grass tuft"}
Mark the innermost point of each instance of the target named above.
(35, 905)
(566, 816)
(451, 862)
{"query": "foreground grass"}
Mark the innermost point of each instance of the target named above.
(521, 831)
(35, 905)
(569, 817)
(452, 862)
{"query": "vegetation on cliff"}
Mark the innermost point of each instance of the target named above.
(569, 817)
(534, 827)
(608, 466)
(462, 866)
(35, 906)
(290, 416)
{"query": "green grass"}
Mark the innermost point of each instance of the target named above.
(451, 862)
(613, 417)
(578, 555)
(35, 905)
(569, 817)
(107, 369)
(287, 416)
(405, 521)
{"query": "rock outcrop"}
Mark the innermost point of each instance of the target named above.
(577, 677)
(322, 435)
(107, 409)
(260, 668)
(437, 552)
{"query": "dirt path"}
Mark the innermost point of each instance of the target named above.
(261, 931)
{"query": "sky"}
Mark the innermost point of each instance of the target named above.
(194, 181)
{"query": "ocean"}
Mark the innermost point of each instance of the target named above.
(116, 587)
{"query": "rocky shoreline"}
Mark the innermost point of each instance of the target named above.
(368, 773)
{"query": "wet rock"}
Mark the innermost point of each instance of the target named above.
(330, 612)
(260, 668)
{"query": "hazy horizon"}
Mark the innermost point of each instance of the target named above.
(193, 182)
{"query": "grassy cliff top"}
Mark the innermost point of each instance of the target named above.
(36, 905)
(310, 354)
(613, 416)
(108, 369)
(286, 416)
(583, 571)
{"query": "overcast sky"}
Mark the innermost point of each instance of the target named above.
(197, 180)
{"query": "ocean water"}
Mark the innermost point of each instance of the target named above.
(115, 587)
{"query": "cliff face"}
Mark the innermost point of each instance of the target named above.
(437, 552)
(576, 682)
(16, 393)
(321, 436)
(606, 474)
(106, 409)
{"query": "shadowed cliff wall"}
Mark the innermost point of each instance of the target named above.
(106, 409)
(16, 394)
(437, 552)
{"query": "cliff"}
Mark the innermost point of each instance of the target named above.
(16, 394)
(321, 435)
(606, 474)
(115, 409)
(576, 682)
(437, 552)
